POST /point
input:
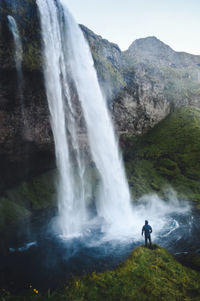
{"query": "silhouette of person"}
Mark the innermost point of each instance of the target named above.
(147, 230)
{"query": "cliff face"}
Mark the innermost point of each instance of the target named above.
(26, 143)
(145, 82)
(142, 85)
(177, 72)
(108, 61)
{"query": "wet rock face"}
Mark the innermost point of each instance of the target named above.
(108, 61)
(172, 75)
(26, 142)
(137, 101)
(26, 15)
(135, 118)
(141, 105)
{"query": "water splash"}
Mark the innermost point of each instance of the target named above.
(68, 60)
(162, 214)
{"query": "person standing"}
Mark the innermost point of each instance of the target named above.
(147, 230)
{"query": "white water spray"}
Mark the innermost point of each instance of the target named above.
(67, 55)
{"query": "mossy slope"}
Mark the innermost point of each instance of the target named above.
(152, 275)
(169, 154)
(146, 275)
(34, 194)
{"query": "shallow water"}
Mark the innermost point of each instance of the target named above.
(42, 258)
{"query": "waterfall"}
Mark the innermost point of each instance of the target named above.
(18, 46)
(68, 60)
(20, 80)
(18, 58)
(71, 191)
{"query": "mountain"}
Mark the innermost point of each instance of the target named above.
(144, 83)
(152, 50)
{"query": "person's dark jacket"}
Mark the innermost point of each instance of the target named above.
(147, 230)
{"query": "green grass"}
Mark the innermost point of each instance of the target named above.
(147, 275)
(169, 154)
(180, 83)
(34, 194)
(10, 211)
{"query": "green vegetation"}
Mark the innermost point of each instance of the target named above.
(146, 275)
(180, 83)
(32, 57)
(36, 193)
(169, 154)
(10, 211)
(26, 17)
(18, 202)
(151, 275)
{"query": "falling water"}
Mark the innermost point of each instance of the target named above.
(71, 191)
(20, 80)
(18, 46)
(113, 202)
(68, 59)
(18, 59)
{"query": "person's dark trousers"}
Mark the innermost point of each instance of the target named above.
(146, 241)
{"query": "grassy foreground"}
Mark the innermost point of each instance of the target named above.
(168, 155)
(146, 275)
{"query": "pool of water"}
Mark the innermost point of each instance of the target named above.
(40, 257)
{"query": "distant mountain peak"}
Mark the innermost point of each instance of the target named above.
(150, 45)
(152, 50)
(147, 39)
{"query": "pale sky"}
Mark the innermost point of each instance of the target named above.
(175, 22)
